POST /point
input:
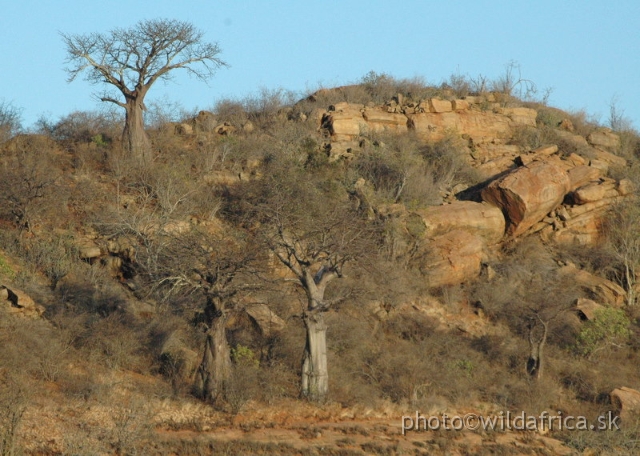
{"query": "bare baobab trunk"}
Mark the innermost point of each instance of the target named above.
(215, 367)
(315, 376)
(134, 137)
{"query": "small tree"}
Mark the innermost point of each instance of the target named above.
(623, 229)
(131, 60)
(533, 297)
(314, 231)
(219, 266)
(608, 328)
(9, 120)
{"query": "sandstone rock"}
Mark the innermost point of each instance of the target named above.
(19, 303)
(545, 150)
(482, 219)
(460, 105)
(225, 129)
(264, 318)
(600, 165)
(595, 191)
(625, 187)
(587, 308)
(494, 168)
(453, 258)
(521, 116)
(527, 194)
(626, 402)
(601, 205)
(573, 140)
(344, 123)
(604, 137)
(582, 174)
(604, 290)
(205, 122)
(437, 105)
(248, 127)
(88, 250)
(576, 160)
(184, 129)
(589, 193)
(177, 358)
(481, 126)
(378, 120)
(566, 124)
(609, 158)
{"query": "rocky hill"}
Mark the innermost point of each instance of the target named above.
(478, 252)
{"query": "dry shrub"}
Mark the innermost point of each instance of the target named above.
(13, 404)
(31, 193)
(401, 169)
(114, 342)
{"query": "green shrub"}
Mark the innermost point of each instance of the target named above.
(609, 327)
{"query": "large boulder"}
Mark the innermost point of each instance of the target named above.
(527, 194)
(264, 318)
(205, 122)
(17, 302)
(479, 218)
(626, 402)
(453, 258)
(603, 290)
(344, 121)
(595, 191)
(587, 308)
(582, 174)
(481, 127)
(604, 137)
(380, 120)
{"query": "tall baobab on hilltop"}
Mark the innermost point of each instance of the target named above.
(131, 60)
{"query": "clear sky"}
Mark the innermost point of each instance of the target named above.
(587, 51)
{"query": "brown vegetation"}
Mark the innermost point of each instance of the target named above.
(321, 267)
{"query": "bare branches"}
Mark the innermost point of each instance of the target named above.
(133, 59)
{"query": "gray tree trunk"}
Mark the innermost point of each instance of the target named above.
(215, 368)
(134, 137)
(315, 375)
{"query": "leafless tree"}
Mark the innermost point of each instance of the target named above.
(623, 230)
(530, 294)
(9, 120)
(313, 229)
(131, 60)
(223, 268)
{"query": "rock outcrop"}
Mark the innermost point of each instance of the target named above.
(603, 290)
(18, 303)
(528, 194)
(482, 219)
(453, 258)
(556, 190)
(626, 403)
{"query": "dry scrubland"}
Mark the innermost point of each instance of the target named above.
(465, 249)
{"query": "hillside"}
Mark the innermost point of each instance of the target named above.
(303, 276)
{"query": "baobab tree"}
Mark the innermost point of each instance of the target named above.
(312, 229)
(131, 60)
(220, 267)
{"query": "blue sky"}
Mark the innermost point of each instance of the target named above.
(587, 51)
